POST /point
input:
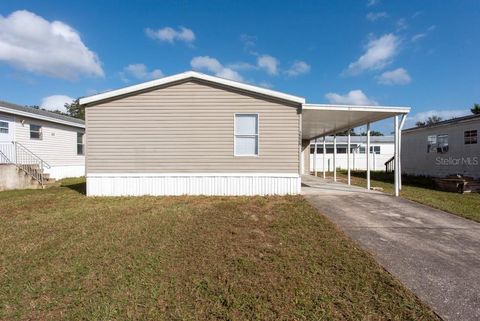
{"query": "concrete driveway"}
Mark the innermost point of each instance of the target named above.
(433, 253)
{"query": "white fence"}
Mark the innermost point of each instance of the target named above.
(357, 161)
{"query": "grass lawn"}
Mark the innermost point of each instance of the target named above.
(65, 256)
(421, 190)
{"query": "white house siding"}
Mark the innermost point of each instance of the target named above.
(139, 144)
(460, 158)
(58, 146)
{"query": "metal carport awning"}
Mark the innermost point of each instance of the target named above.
(320, 120)
(323, 120)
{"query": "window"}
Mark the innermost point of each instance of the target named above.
(362, 149)
(442, 143)
(3, 127)
(35, 131)
(432, 144)
(375, 149)
(80, 150)
(246, 135)
(470, 137)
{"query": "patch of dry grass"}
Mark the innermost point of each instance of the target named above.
(65, 256)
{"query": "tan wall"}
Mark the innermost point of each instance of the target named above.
(188, 127)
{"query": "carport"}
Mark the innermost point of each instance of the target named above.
(320, 120)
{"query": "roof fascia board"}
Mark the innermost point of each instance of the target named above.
(41, 117)
(184, 76)
(377, 109)
(447, 123)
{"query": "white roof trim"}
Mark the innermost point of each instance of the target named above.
(386, 109)
(41, 117)
(186, 75)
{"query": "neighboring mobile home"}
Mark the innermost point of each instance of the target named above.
(446, 148)
(197, 134)
(50, 144)
(381, 150)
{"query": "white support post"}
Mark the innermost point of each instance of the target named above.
(348, 158)
(315, 159)
(335, 157)
(324, 152)
(402, 122)
(396, 163)
(367, 153)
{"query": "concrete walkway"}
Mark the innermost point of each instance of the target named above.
(433, 253)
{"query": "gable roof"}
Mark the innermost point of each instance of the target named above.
(190, 75)
(30, 112)
(447, 122)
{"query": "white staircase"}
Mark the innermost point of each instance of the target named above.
(26, 161)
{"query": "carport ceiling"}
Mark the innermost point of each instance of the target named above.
(323, 120)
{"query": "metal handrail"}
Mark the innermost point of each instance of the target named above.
(27, 161)
(32, 153)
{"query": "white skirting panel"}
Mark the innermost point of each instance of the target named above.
(59, 172)
(192, 184)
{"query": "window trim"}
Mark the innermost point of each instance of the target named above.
(82, 143)
(40, 131)
(7, 127)
(468, 140)
(257, 135)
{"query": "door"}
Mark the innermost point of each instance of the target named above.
(7, 150)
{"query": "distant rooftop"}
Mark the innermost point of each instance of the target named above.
(446, 122)
(42, 113)
(357, 139)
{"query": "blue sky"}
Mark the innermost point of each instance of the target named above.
(423, 54)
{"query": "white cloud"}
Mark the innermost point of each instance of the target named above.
(379, 53)
(374, 16)
(56, 102)
(418, 36)
(422, 35)
(29, 42)
(402, 24)
(171, 35)
(444, 114)
(353, 97)
(398, 76)
(268, 63)
(371, 3)
(298, 68)
(140, 72)
(212, 65)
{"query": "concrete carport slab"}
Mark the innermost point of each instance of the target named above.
(434, 254)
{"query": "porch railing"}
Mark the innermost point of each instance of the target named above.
(390, 165)
(24, 159)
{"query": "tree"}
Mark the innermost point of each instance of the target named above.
(429, 121)
(372, 133)
(475, 109)
(75, 110)
(345, 133)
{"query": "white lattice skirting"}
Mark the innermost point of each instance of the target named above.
(119, 184)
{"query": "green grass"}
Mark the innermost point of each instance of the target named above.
(422, 190)
(66, 256)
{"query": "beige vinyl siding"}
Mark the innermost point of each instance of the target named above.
(189, 127)
(58, 146)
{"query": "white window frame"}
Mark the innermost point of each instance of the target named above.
(40, 131)
(7, 127)
(82, 144)
(235, 135)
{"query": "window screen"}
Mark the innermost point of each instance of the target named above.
(470, 137)
(246, 135)
(3, 127)
(35, 131)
